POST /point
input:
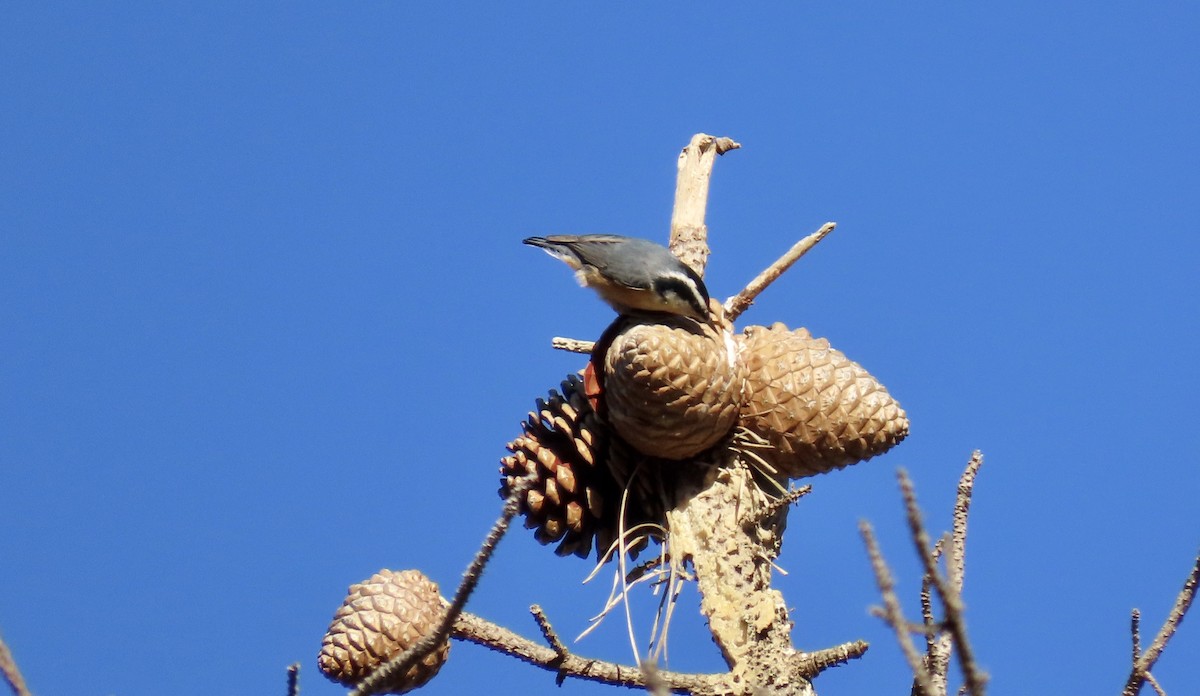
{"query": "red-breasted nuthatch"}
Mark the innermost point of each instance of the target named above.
(630, 274)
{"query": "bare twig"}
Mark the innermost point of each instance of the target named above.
(547, 630)
(572, 345)
(956, 560)
(293, 679)
(402, 662)
(12, 674)
(955, 621)
(940, 647)
(480, 631)
(813, 663)
(689, 235)
(552, 638)
(777, 504)
(1135, 629)
(927, 604)
(939, 643)
(892, 613)
(1183, 602)
(740, 302)
(476, 629)
(1144, 662)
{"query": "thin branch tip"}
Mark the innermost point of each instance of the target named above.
(734, 306)
(724, 145)
(293, 679)
(548, 631)
(572, 345)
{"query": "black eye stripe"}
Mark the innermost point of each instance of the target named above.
(684, 289)
(699, 283)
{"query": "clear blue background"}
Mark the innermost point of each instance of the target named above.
(267, 323)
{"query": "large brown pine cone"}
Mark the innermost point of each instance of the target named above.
(818, 409)
(380, 618)
(580, 473)
(671, 385)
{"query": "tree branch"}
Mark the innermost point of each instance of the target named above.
(930, 672)
(12, 674)
(813, 663)
(937, 642)
(475, 629)
(1143, 663)
(939, 648)
(689, 235)
(293, 679)
(740, 302)
(955, 620)
(1135, 628)
(560, 660)
(891, 612)
(572, 345)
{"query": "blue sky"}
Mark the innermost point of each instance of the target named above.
(267, 322)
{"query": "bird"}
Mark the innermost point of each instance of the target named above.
(630, 274)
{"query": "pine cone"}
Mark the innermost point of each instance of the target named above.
(380, 618)
(819, 410)
(580, 474)
(671, 386)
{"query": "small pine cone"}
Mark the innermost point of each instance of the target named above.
(380, 618)
(671, 387)
(818, 409)
(574, 497)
